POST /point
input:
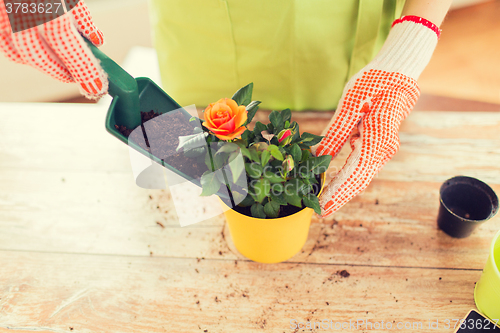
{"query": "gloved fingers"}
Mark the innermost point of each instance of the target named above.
(343, 122)
(356, 134)
(353, 178)
(9, 49)
(63, 37)
(6, 45)
(4, 19)
(84, 23)
(34, 51)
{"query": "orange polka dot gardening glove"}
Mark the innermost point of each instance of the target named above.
(374, 103)
(46, 35)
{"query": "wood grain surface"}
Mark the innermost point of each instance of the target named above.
(83, 249)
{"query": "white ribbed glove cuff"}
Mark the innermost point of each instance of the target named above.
(408, 48)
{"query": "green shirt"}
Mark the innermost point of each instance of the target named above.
(298, 53)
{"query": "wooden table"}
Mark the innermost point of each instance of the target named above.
(83, 249)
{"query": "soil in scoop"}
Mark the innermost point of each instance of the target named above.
(164, 132)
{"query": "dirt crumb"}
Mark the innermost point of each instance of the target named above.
(344, 273)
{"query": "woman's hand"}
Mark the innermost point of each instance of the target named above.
(56, 47)
(374, 103)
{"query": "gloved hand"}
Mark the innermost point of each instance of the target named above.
(374, 103)
(57, 49)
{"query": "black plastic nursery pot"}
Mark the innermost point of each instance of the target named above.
(465, 203)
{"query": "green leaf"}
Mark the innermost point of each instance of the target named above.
(244, 95)
(310, 139)
(252, 110)
(258, 211)
(272, 209)
(275, 163)
(247, 135)
(195, 152)
(245, 152)
(286, 115)
(277, 121)
(261, 189)
(291, 192)
(305, 189)
(313, 180)
(254, 170)
(254, 155)
(277, 188)
(215, 162)
(264, 158)
(240, 142)
(305, 155)
(236, 165)
(260, 146)
(312, 201)
(227, 147)
(292, 198)
(272, 177)
(270, 128)
(296, 136)
(277, 155)
(197, 130)
(209, 183)
(238, 197)
(296, 153)
(299, 186)
(320, 163)
(192, 141)
(220, 176)
(248, 201)
(304, 173)
(275, 151)
(258, 129)
(279, 199)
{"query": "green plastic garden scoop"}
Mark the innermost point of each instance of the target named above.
(133, 95)
(130, 97)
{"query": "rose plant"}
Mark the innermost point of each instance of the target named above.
(276, 167)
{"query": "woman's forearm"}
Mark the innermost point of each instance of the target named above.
(432, 10)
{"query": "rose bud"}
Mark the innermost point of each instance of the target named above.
(288, 164)
(285, 137)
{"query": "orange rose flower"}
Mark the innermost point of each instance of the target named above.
(225, 119)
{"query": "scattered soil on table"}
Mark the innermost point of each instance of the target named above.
(334, 276)
(165, 132)
(344, 273)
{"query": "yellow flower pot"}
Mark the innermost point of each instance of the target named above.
(270, 240)
(487, 289)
